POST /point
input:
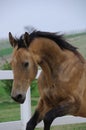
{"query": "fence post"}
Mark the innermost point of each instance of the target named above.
(26, 110)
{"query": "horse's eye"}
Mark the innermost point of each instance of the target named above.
(26, 64)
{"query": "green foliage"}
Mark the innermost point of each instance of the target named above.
(5, 52)
(6, 66)
(3, 94)
(7, 84)
(34, 89)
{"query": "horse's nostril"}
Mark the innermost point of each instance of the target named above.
(19, 97)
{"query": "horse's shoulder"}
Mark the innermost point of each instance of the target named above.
(41, 77)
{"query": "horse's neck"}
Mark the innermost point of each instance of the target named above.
(48, 55)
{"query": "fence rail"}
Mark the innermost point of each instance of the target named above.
(26, 110)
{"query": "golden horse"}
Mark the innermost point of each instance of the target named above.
(62, 82)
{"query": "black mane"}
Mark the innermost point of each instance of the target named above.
(59, 39)
(20, 42)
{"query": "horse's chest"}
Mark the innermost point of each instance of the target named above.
(52, 96)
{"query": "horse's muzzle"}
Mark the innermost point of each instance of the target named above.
(19, 98)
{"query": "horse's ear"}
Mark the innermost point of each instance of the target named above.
(26, 38)
(12, 40)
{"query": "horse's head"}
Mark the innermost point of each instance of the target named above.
(23, 66)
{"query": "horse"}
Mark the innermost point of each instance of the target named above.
(62, 82)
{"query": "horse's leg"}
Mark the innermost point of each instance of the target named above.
(36, 118)
(64, 108)
(33, 121)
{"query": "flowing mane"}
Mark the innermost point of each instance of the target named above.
(59, 40)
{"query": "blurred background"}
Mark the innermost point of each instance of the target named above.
(48, 15)
(64, 16)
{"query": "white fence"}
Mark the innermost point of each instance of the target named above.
(26, 111)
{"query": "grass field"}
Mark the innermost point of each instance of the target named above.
(68, 127)
(10, 110)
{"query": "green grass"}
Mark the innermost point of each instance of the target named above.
(9, 111)
(68, 127)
